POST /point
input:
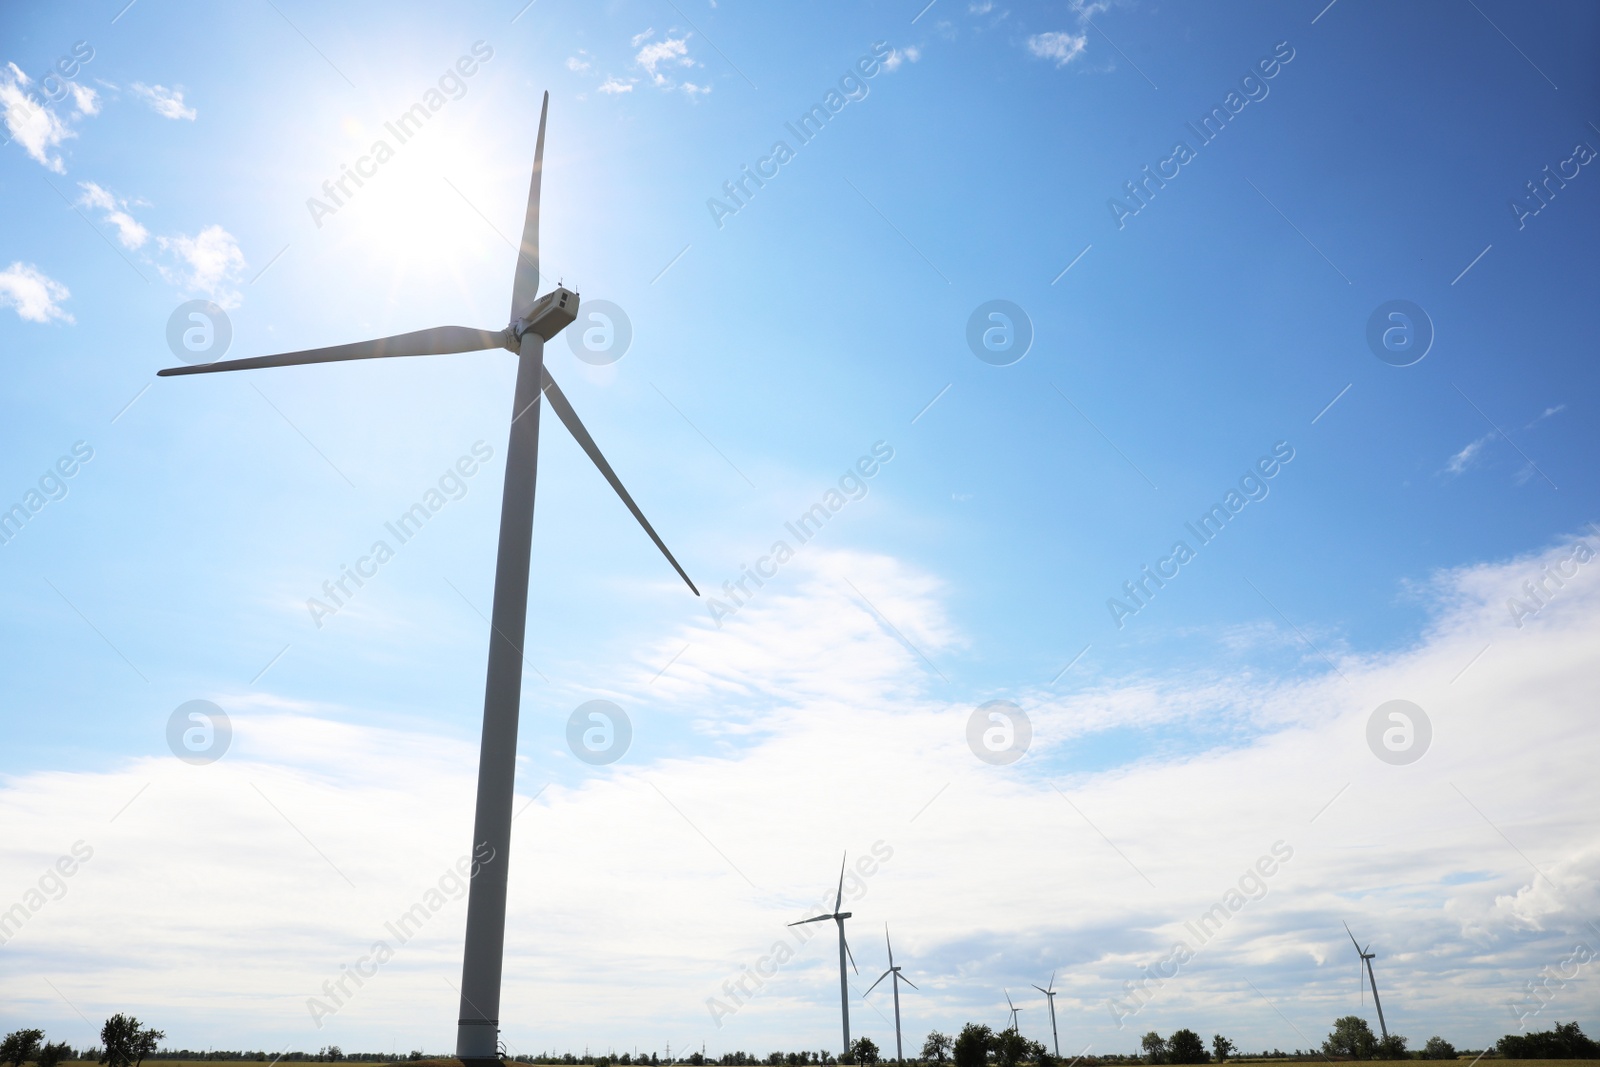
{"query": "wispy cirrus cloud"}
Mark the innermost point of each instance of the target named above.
(1062, 46)
(811, 695)
(1469, 454)
(168, 103)
(130, 231)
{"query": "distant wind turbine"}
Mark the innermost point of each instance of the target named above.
(1050, 997)
(1014, 1011)
(844, 950)
(534, 320)
(899, 1054)
(1367, 958)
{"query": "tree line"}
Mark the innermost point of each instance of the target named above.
(126, 1042)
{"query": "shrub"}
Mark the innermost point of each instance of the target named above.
(1565, 1042)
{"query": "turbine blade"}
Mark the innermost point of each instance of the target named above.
(1052, 981)
(818, 919)
(839, 896)
(1352, 937)
(439, 341)
(874, 985)
(1010, 1005)
(1043, 990)
(563, 410)
(525, 284)
(847, 951)
(908, 981)
(887, 945)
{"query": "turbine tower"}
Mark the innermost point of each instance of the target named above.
(844, 951)
(1050, 998)
(1367, 958)
(1014, 1011)
(534, 320)
(899, 1054)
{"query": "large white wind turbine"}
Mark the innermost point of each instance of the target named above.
(534, 320)
(894, 982)
(1050, 997)
(1015, 1011)
(844, 951)
(1367, 958)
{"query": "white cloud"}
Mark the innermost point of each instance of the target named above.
(1545, 414)
(1064, 47)
(980, 9)
(613, 86)
(896, 56)
(827, 731)
(129, 231)
(1468, 455)
(691, 89)
(84, 99)
(208, 263)
(34, 296)
(1059, 46)
(579, 63)
(669, 51)
(37, 128)
(640, 38)
(168, 103)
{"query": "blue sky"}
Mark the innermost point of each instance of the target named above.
(1173, 347)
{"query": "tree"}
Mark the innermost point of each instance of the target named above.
(127, 1042)
(864, 1050)
(1010, 1048)
(1221, 1047)
(1351, 1037)
(1154, 1048)
(937, 1047)
(1438, 1048)
(1565, 1042)
(50, 1055)
(1185, 1046)
(20, 1046)
(971, 1046)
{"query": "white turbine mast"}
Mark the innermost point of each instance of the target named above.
(894, 982)
(1366, 958)
(1050, 998)
(844, 951)
(1015, 1011)
(534, 320)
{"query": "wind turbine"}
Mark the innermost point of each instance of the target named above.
(899, 1055)
(1367, 958)
(534, 320)
(1050, 998)
(1014, 1011)
(844, 950)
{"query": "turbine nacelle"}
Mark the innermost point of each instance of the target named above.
(550, 314)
